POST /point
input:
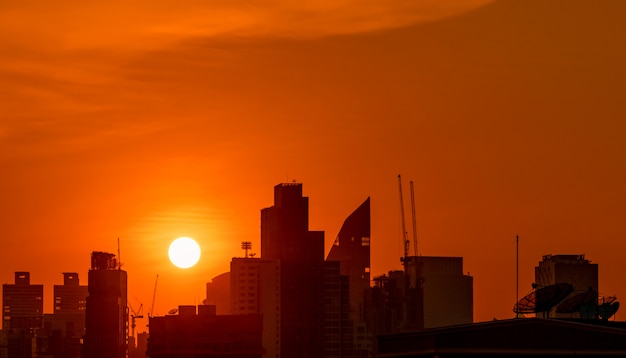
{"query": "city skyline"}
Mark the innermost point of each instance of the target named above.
(162, 128)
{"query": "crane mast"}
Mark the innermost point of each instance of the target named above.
(414, 219)
(153, 296)
(405, 241)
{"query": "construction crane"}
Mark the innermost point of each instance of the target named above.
(153, 297)
(134, 315)
(405, 240)
(414, 219)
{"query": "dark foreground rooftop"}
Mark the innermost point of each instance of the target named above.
(524, 337)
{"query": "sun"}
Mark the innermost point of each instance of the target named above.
(184, 252)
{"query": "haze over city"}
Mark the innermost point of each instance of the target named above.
(149, 122)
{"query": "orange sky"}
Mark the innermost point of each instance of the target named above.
(177, 118)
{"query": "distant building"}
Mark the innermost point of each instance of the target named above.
(205, 334)
(337, 325)
(106, 319)
(22, 304)
(285, 236)
(572, 269)
(218, 293)
(352, 250)
(447, 296)
(448, 292)
(255, 289)
(64, 330)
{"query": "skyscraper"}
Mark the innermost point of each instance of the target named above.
(22, 304)
(285, 236)
(352, 249)
(106, 311)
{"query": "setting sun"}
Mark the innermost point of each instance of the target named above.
(184, 252)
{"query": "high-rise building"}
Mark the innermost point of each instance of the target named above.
(352, 249)
(337, 326)
(22, 304)
(71, 297)
(572, 269)
(285, 236)
(218, 293)
(65, 328)
(255, 289)
(106, 316)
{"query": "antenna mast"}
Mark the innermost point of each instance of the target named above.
(405, 242)
(119, 256)
(414, 219)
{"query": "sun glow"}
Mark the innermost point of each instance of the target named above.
(184, 252)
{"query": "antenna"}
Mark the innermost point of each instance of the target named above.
(405, 242)
(516, 272)
(414, 220)
(119, 256)
(246, 245)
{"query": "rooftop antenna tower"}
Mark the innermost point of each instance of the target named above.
(119, 256)
(405, 241)
(414, 219)
(246, 245)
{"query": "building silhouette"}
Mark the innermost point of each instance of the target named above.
(218, 293)
(351, 249)
(447, 296)
(64, 329)
(285, 236)
(337, 325)
(22, 317)
(106, 316)
(191, 334)
(572, 269)
(255, 289)
(22, 304)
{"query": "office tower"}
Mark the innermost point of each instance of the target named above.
(22, 304)
(64, 330)
(352, 249)
(255, 289)
(71, 297)
(218, 293)
(572, 269)
(205, 334)
(285, 236)
(106, 316)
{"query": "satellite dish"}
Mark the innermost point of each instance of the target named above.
(173, 311)
(543, 299)
(575, 302)
(607, 310)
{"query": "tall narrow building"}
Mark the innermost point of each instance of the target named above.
(352, 250)
(22, 304)
(285, 236)
(255, 289)
(106, 311)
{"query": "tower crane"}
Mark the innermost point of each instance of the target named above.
(134, 315)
